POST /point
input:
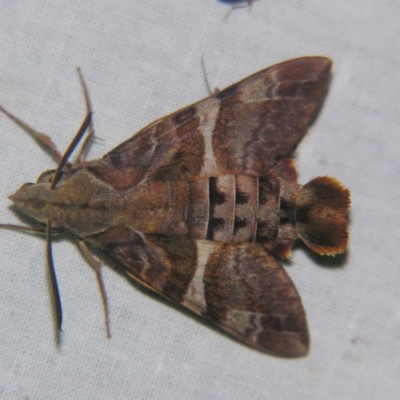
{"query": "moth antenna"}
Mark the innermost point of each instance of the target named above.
(22, 228)
(88, 104)
(203, 67)
(321, 209)
(30, 229)
(44, 140)
(53, 278)
(97, 268)
(56, 177)
(71, 148)
(210, 91)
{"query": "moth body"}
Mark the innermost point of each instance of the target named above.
(225, 208)
(197, 205)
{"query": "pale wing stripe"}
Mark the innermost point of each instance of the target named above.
(208, 113)
(194, 297)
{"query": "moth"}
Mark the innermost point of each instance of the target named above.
(198, 205)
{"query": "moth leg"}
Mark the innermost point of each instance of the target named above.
(97, 269)
(90, 136)
(43, 140)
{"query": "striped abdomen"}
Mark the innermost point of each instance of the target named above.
(239, 208)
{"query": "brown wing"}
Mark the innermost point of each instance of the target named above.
(240, 130)
(250, 296)
(238, 286)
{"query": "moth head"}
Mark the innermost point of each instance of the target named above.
(321, 209)
(35, 199)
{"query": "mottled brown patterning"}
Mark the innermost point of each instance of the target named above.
(197, 204)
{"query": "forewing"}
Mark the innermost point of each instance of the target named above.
(262, 118)
(240, 130)
(238, 286)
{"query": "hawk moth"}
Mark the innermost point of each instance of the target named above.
(198, 205)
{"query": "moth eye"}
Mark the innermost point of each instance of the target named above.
(46, 176)
(55, 230)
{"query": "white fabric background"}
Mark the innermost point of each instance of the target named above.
(141, 60)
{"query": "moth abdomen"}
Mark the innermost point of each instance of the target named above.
(271, 210)
(233, 208)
